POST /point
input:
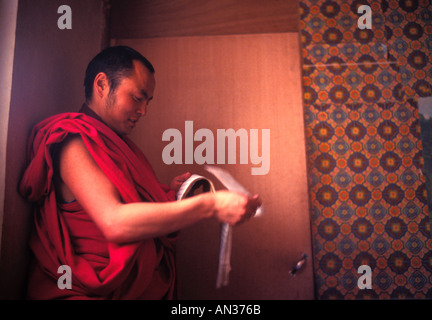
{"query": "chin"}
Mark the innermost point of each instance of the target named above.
(126, 132)
(123, 131)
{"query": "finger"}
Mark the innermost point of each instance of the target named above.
(256, 198)
(186, 175)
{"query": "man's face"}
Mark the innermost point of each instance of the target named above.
(126, 105)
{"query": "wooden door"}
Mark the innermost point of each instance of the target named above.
(238, 82)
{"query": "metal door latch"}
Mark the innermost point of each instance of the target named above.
(299, 264)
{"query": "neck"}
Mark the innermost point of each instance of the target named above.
(97, 112)
(90, 111)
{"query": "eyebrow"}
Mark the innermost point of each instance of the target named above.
(145, 94)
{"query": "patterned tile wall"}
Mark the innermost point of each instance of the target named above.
(367, 190)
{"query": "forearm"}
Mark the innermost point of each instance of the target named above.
(143, 220)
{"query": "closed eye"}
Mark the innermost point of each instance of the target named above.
(137, 99)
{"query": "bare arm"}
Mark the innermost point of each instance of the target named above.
(121, 222)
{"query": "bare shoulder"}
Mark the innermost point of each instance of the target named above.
(82, 177)
(72, 144)
(67, 157)
(74, 153)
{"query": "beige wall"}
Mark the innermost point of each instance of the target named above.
(8, 14)
(48, 73)
(249, 81)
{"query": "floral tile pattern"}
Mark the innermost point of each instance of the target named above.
(367, 190)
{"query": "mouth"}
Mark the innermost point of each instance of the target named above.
(132, 122)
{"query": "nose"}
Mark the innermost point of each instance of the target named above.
(142, 110)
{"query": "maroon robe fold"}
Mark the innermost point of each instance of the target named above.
(64, 234)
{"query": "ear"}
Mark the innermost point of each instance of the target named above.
(101, 85)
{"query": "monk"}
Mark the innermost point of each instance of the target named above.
(99, 208)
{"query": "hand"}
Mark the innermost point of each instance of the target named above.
(178, 181)
(234, 208)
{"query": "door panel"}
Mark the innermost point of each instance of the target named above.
(236, 81)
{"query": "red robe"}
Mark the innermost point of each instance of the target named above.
(64, 234)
